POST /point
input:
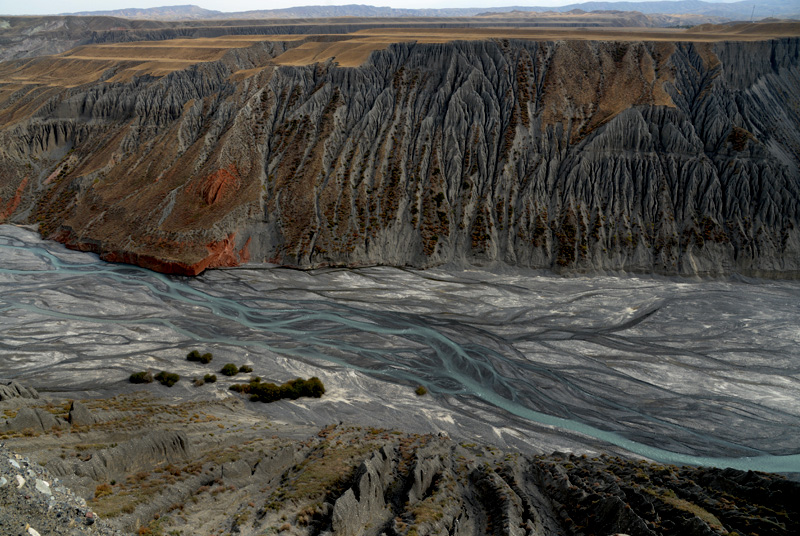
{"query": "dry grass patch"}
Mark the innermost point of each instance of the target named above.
(669, 497)
(325, 472)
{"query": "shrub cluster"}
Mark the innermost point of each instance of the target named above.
(141, 377)
(167, 378)
(210, 378)
(421, 390)
(230, 370)
(194, 355)
(269, 392)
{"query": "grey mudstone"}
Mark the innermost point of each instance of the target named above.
(364, 503)
(129, 457)
(467, 152)
(80, 415)
(35, 419)
(425, 470)
(13, 389)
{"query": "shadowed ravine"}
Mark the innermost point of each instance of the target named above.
(679, 371)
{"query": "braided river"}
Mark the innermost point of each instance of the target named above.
(681, 371)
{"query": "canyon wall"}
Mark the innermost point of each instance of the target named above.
(675, 158)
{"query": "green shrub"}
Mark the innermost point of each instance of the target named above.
(210, 378)
(167, 378)
(141, 377)
(230, 370)
(242, 388)
(194, 355)
(245, 368)
(265, 392)
(269, 392)
(421, 390)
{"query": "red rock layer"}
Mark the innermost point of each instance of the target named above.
(14, 202)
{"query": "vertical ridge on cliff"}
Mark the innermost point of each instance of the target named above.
(572, 155)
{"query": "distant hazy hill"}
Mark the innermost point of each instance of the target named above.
(737, 10)
(185, 12)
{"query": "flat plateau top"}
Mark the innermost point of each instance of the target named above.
(351, 50)
(87, 64)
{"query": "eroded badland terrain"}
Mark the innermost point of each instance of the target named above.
(599, 143)
(154, 465)
(669, 151)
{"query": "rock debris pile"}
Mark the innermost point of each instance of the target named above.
(32, 503)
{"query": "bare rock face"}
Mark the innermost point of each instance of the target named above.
(364, 505)
(348, 480)
(80, 415)
(33, 419)
(131, 456)
(576, 156)
(13, 389)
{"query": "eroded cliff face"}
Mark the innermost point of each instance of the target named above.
(577, 155)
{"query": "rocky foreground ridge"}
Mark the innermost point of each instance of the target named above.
(678, 158)
(145, 465)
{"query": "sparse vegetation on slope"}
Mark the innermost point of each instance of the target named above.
(227, 467)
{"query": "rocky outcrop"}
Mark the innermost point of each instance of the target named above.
(33, 420)
(426, 469)
(452, 489)
(13, 389)
(349, 480)
(363, 505)
(80, 415)
(115, 462)
(33, 502)
(576, 156)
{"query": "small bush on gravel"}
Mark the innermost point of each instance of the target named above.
(230, 370)
(167, 378)
(194, 355)
(210, 378)
(421, 390)
(245, 368)
(141, 377)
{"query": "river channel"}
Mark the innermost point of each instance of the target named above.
(680, 371)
